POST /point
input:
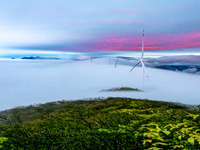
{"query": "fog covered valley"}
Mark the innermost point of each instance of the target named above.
(26, 82)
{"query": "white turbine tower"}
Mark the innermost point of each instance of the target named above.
(141, 59)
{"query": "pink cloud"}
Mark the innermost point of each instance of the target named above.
(152, 42)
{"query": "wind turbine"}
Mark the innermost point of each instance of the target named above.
(116, 61)
(122, 58)
(141, 59)
(91, 59)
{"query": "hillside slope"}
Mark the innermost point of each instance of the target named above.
(112, 123)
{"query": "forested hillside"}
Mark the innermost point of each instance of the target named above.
(112, 123)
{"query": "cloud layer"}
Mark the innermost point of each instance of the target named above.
(184, 59)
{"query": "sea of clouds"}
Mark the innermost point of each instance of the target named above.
(26, 82)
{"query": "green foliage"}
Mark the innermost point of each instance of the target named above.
(2, 139)
(182, 135)
(113, 123)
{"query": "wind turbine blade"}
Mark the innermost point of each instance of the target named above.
(142, 45)
(116, 61)
(135, 65)
(144, 70)
(143, 66)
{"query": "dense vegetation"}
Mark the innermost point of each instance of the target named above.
(113, 123)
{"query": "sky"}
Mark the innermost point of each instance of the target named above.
(98, 25)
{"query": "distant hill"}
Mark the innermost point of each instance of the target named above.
(38, 57)
(184, 68)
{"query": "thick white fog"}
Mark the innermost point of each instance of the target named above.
(26, 82)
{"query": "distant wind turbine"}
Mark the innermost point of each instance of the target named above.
(116, 61)
(122, 58)
(141, 59)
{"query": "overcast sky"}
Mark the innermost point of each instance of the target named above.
(99, 25)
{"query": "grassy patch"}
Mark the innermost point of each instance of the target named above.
(121, 89)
